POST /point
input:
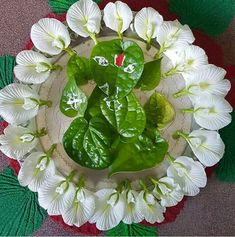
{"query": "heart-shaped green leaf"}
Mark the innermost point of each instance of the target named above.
(151, 76)
(89, 144)
(73, 100)
(117, 66)
(159, 112)
(126, 115)
(78, 68)
(148, 151)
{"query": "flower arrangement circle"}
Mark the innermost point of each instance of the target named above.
(110, 128)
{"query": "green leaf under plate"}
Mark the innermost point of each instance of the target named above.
(20, 213)
(117, 66)
(73, 100)
(78, 68)
(151, 76)
(61, 6)
(88, 143)
(132, 230)
(148, 151)
(159, 112)
(7, 64)
(126, 115)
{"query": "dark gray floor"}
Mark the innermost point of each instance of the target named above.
(212, 212)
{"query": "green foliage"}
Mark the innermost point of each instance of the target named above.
(126, 115)
(20, 213)
(132, 230)
(117, 76)
(78, 68)
(210, 16)
(88, 143)
(146, 152)
(61, 6)
(73, 100)
(151, 76)
(159, 112)
(226, 168)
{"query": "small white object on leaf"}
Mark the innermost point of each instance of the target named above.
(81, 210)
(84, 18)
(16, 104)
(147, 23)
(32, 68)
(189, 174)
(211, 112)
(207, 146)
(131, 213)
(150, 208)
(56, 194)
(172, 36)
(209, 80)
(36, 170)
(50, 36)
(186, 61)
(118, 16)
(110, 207)
(17, 141)
(168, 192)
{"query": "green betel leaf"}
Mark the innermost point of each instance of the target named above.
(117, 66)
(61, 6)
(132, 230)
(159, 112)
(148, 151)
(7, 64)
(151, 76)
(73, 100)
(20, 212)
(88, 143)
(126, 115)
(78, 68)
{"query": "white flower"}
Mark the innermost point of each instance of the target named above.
(33, 67)
(132, 214)
(150, 208)
(207, 146)
(17, 141)
(16, 104)
(209, 80)
(117, 16)
(173, 35)
(56, 194)
(81, 210)
(189, 174)
(168, 192)
(147, 23)
(84, 18)
(186, 61)
(110, 207)
(36, 170)
(211, 112)
(50, 36)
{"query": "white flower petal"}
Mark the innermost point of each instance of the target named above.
(33, 67)
(152, 211)
(210, 149)
(81, 210)
(147, 22)
(12, 101)
(117, 16)
(212, 112)
(50, 36)
(84, 18)
(172, 35)
(11, 143)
